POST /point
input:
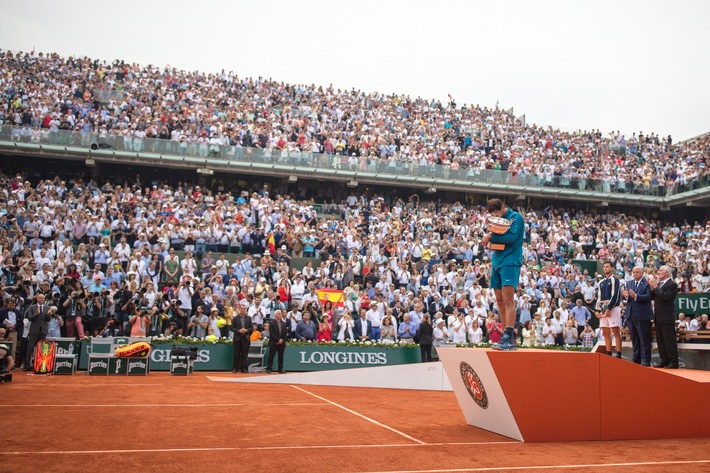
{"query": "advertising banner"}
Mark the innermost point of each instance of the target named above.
(324, 357)
(219, 357)
(692, 303)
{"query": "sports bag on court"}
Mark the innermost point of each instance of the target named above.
(134, 349)
(45, 352)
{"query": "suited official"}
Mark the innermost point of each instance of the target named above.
(39, 315)
(278, 334)
(638, 315)
(362, 328)
(241, 330)
(663, 293)
(425, 335)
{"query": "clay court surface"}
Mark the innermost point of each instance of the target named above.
(193, 424)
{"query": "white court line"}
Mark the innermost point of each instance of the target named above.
(161, 405)
(380, 424)
(549, 467)
(228, 449)
(90, 386)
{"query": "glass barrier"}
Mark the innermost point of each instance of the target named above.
(357, 164)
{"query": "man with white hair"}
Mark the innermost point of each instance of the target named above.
(663, 293)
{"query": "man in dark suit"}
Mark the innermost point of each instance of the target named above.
(362, 330)
(638, 316)
(434, 305)
(242, 329)
(278, 334)
(663, 292)
(39, 315)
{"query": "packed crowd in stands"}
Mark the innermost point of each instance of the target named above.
(225, 115)
(153, 259)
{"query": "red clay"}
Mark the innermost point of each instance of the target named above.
(77, 423)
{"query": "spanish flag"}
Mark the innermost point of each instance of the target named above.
(271, 243)
(335, 296)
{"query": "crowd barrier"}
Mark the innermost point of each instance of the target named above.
(107, 145)
(219, 356)
(311, 357)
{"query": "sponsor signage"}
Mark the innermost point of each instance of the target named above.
(98, 365)
(117, 366)
(692, 303)
(66, 346)
(216, 357)
(137, 366)
(65, 364)
(181, 365)
(321, 358)
(342, 358)
(219, 357)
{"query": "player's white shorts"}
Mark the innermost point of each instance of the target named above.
(614, 319)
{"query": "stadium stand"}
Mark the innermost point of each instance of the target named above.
(62, 232)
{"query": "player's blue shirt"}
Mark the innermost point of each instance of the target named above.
(513, 239)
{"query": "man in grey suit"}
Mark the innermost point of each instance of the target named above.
(663, 293)
(39, 315)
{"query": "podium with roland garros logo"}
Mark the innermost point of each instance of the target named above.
(509, 393)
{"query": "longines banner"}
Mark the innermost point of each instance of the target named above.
(692, 303)
(219, 357)
(321, 358)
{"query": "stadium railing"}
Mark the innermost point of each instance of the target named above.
(395, 169)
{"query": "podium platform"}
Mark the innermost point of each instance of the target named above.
(545, 395)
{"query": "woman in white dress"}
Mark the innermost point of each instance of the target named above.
(460, 329)
(475, 334)
(346, 325)
(441, 333)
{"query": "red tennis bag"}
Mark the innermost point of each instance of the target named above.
(45, 351)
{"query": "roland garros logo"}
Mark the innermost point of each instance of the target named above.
(473, 385)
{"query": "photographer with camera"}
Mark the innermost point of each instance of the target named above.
(173, 311)
(7, 361)
(139, 323)
(157, 319)
(184, 294)
(75, 309)
(198, 323)
(10, 317)
(122, 297)
(56, 322)
(96, 307)
(130, 309)
(111, 329)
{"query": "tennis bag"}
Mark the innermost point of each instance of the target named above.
(45, 352)
(134, 349)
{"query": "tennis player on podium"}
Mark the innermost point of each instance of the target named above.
(506, 233)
